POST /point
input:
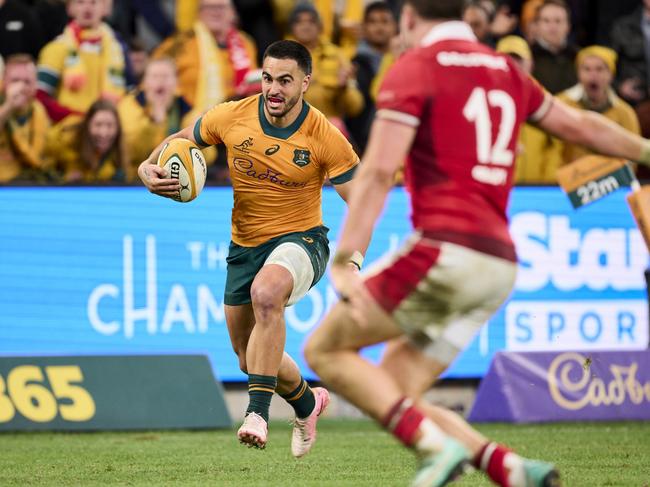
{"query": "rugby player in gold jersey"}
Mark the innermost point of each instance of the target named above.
(280, 151)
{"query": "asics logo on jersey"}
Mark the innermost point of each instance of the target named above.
(245, 166)
(309, 240)
(301, 157)
(244, 145)
(272, 150)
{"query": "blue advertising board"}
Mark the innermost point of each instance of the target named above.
(101, 270)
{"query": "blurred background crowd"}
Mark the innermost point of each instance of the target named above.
(90, 87)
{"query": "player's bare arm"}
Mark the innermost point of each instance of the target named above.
(592, 130)
(344, 190)
(356, 260)
(389, 144)
(155, 177)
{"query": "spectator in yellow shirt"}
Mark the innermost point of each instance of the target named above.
(154, 111)
(213, 58)
(23, 122)
(84, 63)
(596, 68)
(90, 149)
(333, 89)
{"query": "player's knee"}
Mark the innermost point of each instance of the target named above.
(266, 300)
(314, 352)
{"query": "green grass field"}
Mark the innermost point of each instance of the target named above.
(348, 453)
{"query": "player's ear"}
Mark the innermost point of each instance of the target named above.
(305, 82)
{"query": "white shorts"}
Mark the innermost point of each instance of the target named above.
(440, 293)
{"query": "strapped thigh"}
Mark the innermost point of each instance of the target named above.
(295, 259)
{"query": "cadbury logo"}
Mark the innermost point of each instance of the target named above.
(247, 167)
(573, 387)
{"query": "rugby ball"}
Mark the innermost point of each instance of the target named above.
(184, 161)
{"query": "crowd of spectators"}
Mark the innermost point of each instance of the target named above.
(90, 87)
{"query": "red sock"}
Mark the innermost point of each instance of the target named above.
(403, 420)
(490, 460)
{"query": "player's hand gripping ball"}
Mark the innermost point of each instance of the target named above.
(184, 161)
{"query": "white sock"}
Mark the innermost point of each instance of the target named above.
(515, 465)
(433, 438)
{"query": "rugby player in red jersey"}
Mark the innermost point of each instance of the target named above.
(454, 107)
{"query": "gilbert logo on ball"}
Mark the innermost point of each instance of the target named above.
(184, 161)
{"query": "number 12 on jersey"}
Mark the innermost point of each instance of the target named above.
(477, 111)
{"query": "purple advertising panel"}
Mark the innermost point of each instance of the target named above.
(568, 386)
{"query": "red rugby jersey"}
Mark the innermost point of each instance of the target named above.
(468, 103)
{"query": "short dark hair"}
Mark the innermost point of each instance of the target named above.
(440, 9)
(304, 8)
(378, 6)
(290, 50)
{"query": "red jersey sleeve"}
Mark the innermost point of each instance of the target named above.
(403, 93)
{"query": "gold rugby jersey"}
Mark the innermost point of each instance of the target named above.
(277, 173)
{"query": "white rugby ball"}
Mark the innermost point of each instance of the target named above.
(183, 160)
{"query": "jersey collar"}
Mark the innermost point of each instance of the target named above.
(455, 30)
(285, 132)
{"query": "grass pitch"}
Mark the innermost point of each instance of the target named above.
(348, 453)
